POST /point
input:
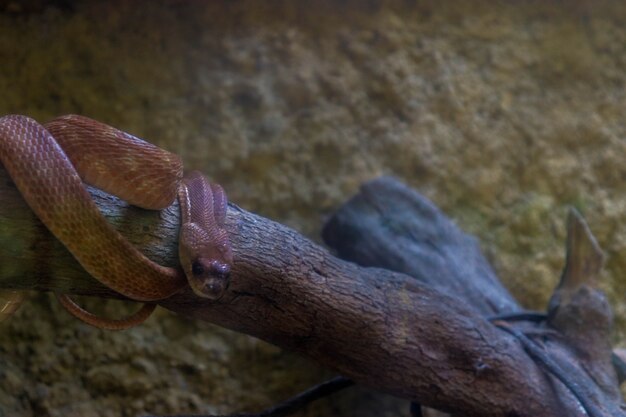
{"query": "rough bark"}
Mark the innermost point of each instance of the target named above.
(383, 329)
(389, 225)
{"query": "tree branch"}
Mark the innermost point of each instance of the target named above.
(379, 328)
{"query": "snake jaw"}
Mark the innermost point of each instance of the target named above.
(209, 278)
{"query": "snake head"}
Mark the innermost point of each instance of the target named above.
(206, 257)
(204, 247)
(209, 278)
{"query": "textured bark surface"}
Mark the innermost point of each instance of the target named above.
(385, 330)
(387, 224)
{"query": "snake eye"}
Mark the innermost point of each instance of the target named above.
(197, 268)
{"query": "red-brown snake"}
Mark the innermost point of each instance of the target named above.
(49, 163)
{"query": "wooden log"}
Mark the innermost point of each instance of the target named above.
(382, 329)
(389, 225)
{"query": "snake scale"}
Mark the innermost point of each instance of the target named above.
(50, 165)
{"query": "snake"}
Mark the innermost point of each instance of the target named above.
(51, 164)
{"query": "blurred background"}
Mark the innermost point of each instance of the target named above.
(502, 113)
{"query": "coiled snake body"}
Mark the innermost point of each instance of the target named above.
(49, 164)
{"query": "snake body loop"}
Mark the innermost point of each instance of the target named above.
(49, 164)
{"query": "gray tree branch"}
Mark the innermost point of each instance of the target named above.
(383, 329)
